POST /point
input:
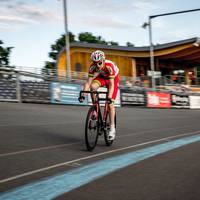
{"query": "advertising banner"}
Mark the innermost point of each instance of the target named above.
(158, 100)
(133, 97)
(194, 102)
(64, 93)
(180, 101)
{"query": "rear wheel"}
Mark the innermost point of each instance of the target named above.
(91, 129)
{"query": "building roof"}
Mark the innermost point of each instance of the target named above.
(187, 51)
(130, 48)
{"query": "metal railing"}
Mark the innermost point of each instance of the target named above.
(13, 82)
(9, 86)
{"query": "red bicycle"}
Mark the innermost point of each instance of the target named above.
(97, 121)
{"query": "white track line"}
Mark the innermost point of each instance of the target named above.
(93, 156)
(152, 130)
(74, 143)
(37, 149)
(39, 124)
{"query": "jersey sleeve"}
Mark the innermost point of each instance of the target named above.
(91, 71)
(111, 72)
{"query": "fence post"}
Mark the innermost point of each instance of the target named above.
(18, 87)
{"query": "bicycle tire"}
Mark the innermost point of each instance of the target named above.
(107, 141)
(91, 123)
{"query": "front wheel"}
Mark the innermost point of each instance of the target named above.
(107, 129)
(91, 129)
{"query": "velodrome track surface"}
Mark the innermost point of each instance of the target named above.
(38, 142)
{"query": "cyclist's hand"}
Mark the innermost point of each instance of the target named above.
(81, 99)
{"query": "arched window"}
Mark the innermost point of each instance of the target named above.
(78, 67)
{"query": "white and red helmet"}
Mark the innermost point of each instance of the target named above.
(97, 56)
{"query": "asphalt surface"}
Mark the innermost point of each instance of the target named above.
(39, 141)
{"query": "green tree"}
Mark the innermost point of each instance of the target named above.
(129, 44)
(87, 37)
(59, 44)
(113, 43)
(50, 66)
(4, 55)
(5, 60)
(100, 40)
(90, 38)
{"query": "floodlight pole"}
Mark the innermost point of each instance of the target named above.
(149, 24)
(68, 63)
(151, 54)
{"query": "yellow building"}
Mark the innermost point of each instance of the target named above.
(135, 61)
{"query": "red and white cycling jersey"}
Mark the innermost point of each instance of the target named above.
(103, 76)
(109, 71)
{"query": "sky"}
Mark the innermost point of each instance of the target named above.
(32, 26)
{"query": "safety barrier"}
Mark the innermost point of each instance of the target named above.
(14, 87)
(63, 93)
(8, 90)
(36, 92)
(180, 100)
(194, 101)
(158, 99)
(130, 97)
(9, 87)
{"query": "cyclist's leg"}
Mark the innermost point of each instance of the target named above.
(112, 106)
(96, 83)
(112, 109)
(112, 115)
(112, 131)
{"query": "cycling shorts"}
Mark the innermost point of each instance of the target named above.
(105, 83)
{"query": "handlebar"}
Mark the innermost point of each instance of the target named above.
(94, 92)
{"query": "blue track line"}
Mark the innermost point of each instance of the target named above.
(57, 185)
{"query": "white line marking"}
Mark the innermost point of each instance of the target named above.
(38, 149)
(92, 156)
(39, 124)
(69, 144)
(152, 130)
(74, 164)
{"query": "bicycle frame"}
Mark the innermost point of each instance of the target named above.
(96, 103)
(100, 118)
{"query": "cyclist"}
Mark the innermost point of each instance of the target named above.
(102, 73)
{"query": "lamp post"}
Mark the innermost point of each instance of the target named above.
(149, 24)
(68, 63)
(151, 54)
